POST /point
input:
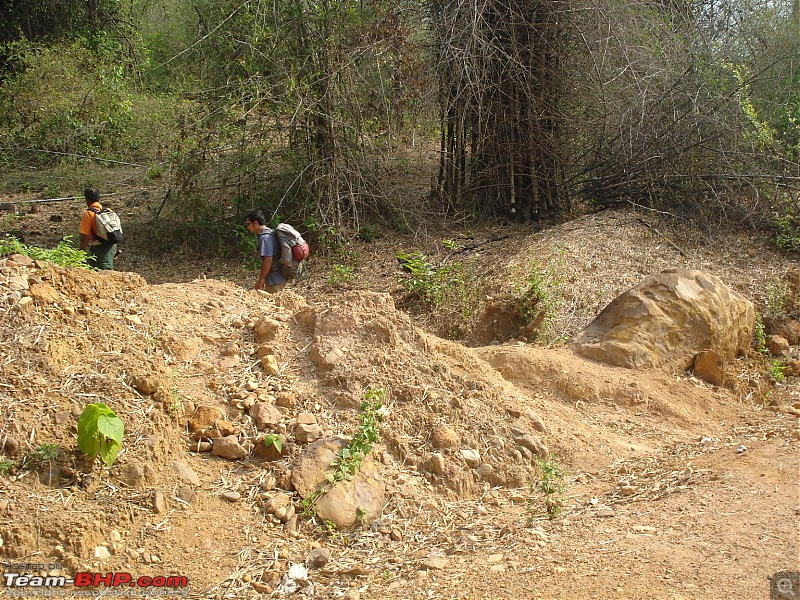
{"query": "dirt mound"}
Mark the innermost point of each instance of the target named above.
(186, 365)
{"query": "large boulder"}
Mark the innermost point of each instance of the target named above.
(348, 502)
(666, 320)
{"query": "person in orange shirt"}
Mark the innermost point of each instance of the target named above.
(101, 253)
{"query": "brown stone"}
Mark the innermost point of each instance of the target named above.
(444, 437)
(708, 366)
(666, 320)
(204, 417)
(777, 345)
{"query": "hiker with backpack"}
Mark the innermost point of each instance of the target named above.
(270, 278)
(100, 231)
(282, 251)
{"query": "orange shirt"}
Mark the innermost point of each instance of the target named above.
(88, 227)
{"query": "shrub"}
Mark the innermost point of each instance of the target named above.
(65, 254)
(100, 431)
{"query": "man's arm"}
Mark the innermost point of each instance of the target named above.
(266, 265)
(84, 241)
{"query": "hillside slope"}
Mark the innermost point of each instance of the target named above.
(674, 488)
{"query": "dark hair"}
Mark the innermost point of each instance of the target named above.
(256, 216)
(91, 195)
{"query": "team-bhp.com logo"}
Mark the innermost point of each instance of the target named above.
(94, 580)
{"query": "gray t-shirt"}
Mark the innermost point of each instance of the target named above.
(268, 246)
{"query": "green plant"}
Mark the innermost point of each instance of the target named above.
(787, 232)
(100, 431)
(175, 401)
(340, 274)
(450, 244)
(760, 337)
(7, 221)
(65, 254)
(5, 466)
(273, 439)
(537, 300)
(43, 454)
(551, 485)
(777, 371)
(330, 526)
(370, 233)
(777, 294)
(155, 172)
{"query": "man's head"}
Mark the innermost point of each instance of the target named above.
(91, 195)
(255, 218)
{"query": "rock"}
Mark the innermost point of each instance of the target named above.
(666, 320)
(318, 558)
(783, 326)
(231, 496)
(267, 329)
(471, 457)
(134, 319)
(305, 434)
(444, 437)
(228, 447)
(136, 475)
(708, 367)
(777, 345)
(270, 364)
(436, 464)
(10, 445)
(348, 502)
(185, 347)
(25, 301)
(277, 503)
(265, 350)
(21, 259)
(434, 562)
(102, 553)
(265, 415)
(793, 369)
(287, 400)
(536, 421)
(146, 384)
(269, 451)
(485, 471)
(44, 293)
(185, 473)
(204, 417)
(325, 361)
(159, 502)
(199, 446)
(305, 418)
(530, 442)
(228, 362)
(187, 494)
(17, 284)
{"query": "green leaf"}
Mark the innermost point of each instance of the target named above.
(109, 449)
(88, 438)
(111, 427)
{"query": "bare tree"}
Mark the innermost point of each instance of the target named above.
(500, 89)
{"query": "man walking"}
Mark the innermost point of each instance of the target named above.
(101, 253)
(270, 278)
